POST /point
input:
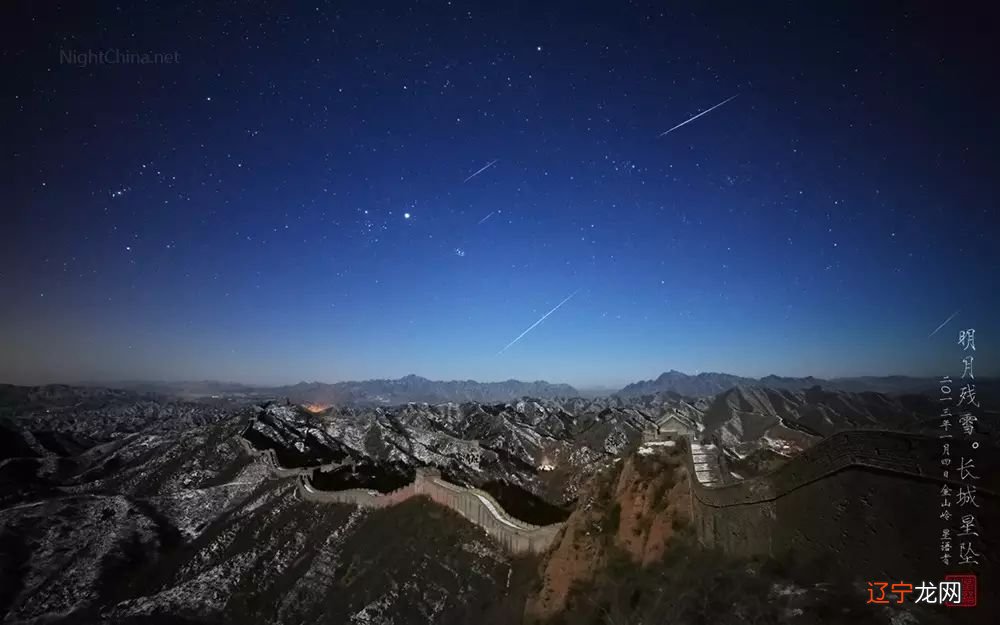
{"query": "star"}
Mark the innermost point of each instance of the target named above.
(339, 136)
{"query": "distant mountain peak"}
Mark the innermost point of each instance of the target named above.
(710, 383)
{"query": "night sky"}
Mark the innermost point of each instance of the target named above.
(291, 199)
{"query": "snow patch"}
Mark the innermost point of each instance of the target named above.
(376, 612)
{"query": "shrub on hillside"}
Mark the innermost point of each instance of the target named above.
(695, 586)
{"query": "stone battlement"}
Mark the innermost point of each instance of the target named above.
(905, 455)
(271, 459)
(870, 500)
(475, 505)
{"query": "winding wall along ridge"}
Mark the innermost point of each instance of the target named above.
(867, 501)
(271, 459)
(475, 505)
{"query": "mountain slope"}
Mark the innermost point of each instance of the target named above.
(184, 526)
(152, 510)
(708, 384)
(746, 413)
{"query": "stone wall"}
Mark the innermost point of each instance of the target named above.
(475, 505)
(355, 496)
(483, 510)
(867, 501)
(271, 459)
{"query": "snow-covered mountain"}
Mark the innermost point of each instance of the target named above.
(746, 413)
(709, 384)
(122, 507)
(472, 443)
(384, 392)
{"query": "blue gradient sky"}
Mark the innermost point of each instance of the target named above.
(821, 223)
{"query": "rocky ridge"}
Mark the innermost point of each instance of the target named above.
(163, 489)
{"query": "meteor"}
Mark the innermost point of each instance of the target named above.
(696, 116)
(532, 327)
(943, 324)
(488, 165)
(486, 217)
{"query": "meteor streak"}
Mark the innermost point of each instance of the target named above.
(696, 117)
(486, 217)
(532, 327)
(488, 165)
(943, 324)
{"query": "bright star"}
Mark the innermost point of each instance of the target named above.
(406, 215)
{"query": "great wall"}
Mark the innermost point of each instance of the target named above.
(475, 505)
(870, 500)
(479, 507)
(271, 460)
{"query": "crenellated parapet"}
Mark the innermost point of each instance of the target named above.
(906, 456)
(477, 506)
(868, 499)
(271, 460)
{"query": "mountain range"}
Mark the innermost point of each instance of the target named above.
(138, 506)
(708, 384)
(386, 392)
(413, 388)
